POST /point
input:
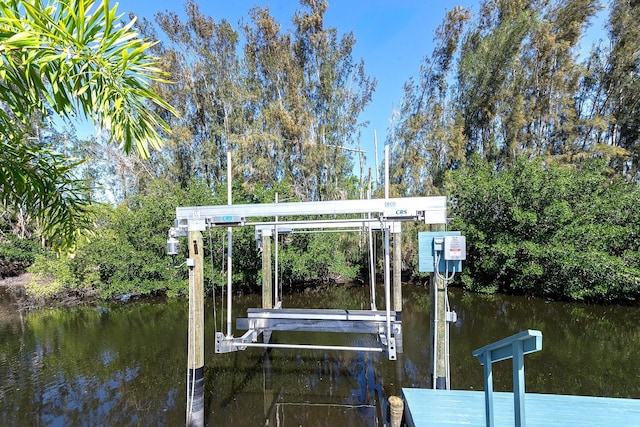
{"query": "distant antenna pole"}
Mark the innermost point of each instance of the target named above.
(361, 168)
(375, 147)
(386, 171)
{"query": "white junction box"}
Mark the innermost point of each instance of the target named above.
(455, 248)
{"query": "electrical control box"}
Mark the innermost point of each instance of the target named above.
(455, 248)
(431, 248)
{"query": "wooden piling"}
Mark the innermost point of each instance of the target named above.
(396, 409)
(267, 283)
(439, 327)
(441, 343)
(195, 373)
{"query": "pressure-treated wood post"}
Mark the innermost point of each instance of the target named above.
(441, 326)
(195, 381)
(439, 323)
(267, 283)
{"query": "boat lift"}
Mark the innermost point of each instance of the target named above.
(385, 215)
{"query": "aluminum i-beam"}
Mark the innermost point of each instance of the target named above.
(354, 225)
(433, 209)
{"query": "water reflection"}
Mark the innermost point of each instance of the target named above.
(321, 403)
(93, 366)
(295, 388)
(126, 364)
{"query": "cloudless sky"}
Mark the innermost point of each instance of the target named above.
(392, 37)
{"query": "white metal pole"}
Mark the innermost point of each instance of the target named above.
(229, 248)
(435, 320)
(275, 276)
(372, 265)
(387, 282)
(375, 147)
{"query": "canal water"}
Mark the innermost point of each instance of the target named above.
(125, 364)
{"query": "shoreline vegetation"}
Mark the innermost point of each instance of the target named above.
(535, 145)
(15, 289)
(550, 231)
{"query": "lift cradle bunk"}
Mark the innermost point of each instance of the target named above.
(371, 215)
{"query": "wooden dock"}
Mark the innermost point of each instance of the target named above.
(435, 408)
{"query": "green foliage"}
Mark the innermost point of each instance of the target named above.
(506, 85)
(36, 179)
(425, 136)
(16, 255)
(617, 79)
(75, 57)
(128, 253)
(52, 276)
(511, 82)
(72, 58)
(316, 257)
(14, 249)
(548, 230)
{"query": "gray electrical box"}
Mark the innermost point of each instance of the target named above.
(455, 248)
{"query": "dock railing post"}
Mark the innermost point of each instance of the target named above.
(518, 383)
(515, 346)
(488, 389)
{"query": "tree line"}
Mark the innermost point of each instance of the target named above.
(536, 147)
(510, 83)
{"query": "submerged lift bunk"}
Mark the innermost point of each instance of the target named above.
(380, 215)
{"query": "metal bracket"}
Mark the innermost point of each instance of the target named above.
(391, 349)
(389, 344)
(224, 345)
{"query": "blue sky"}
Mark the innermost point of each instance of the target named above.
(392, 37)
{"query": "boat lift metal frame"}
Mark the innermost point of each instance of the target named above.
(384, 214)
(269, 229)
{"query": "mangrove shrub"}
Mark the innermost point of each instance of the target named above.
(549, 230)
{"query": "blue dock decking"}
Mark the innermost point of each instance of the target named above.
(434, 408)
